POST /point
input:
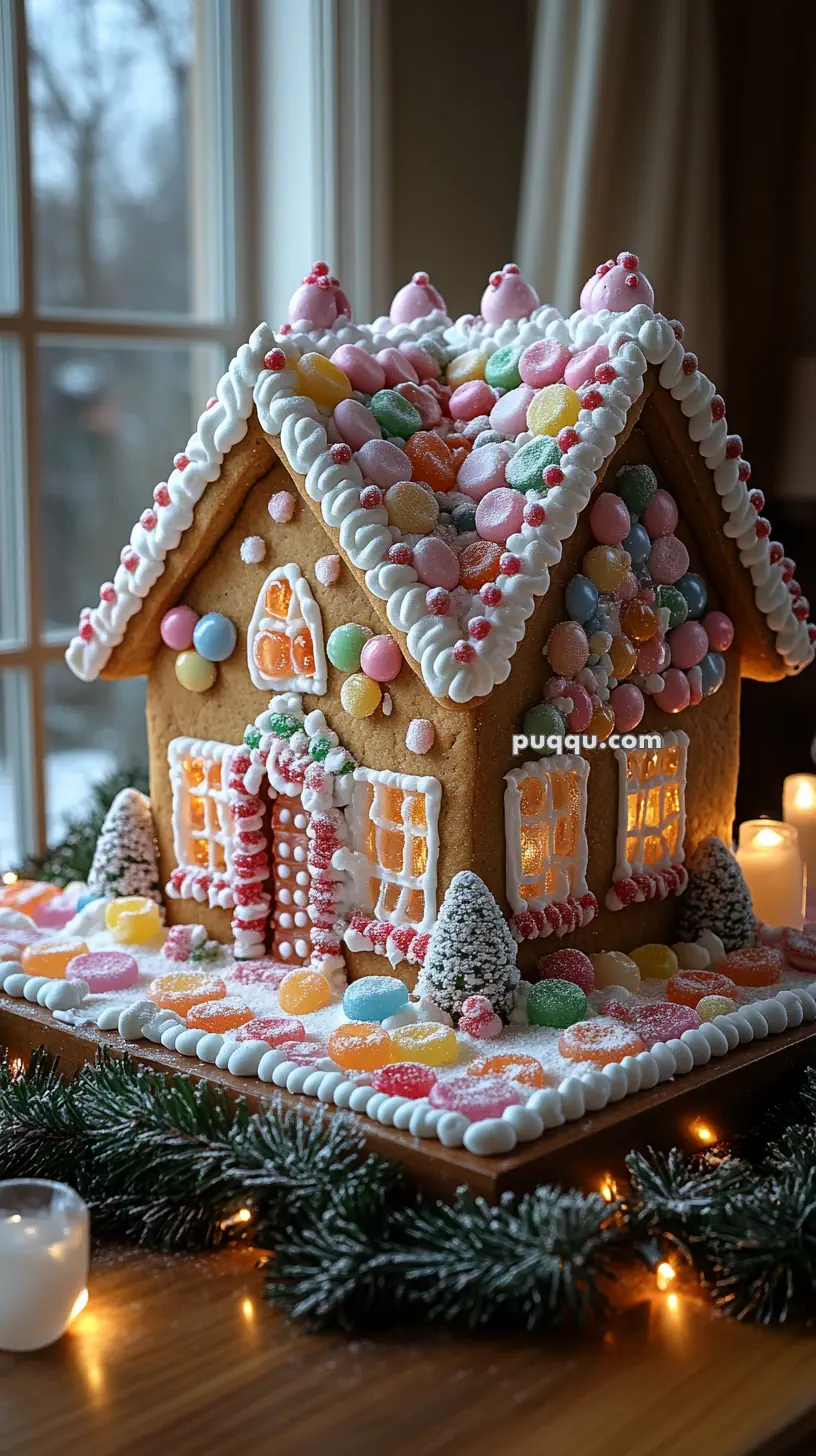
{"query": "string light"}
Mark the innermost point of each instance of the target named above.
(248, 1310)
(243, 1215)
(10, 877)
(673, 1301)
(703, 1133)
(80, 1303)
(608, 1189)
(664, 1274)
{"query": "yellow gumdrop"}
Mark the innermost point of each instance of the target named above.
(133, 920)
(425, 1041)
(470, 365)
(606, 566)
(194, 672)
(360, 695)
(303, 991)
(410, 508)
(322, 380)
(51, 957)
(552, 408)
(613, 968)
(711, 1006)
(657, 962)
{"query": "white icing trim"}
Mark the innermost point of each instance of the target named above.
(574, 865)
(623, 868)
(362, 869)
(303, 612)
(192, 881)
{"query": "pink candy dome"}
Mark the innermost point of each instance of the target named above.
(508, 296)
(617, 285)
(319, 300)
(415, 300)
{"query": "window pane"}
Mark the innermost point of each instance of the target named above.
(9, 255)
(12, 499)
(129, 118)
(15, 768)
(112, 416)
(91, 730)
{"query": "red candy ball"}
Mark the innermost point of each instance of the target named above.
(568, 965)
(404, 1079)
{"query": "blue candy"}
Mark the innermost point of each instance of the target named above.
(638, 545)
(373, 998)
(695, 591)
(214, 637)
(712, 673)
(464, 519)
(581, 598)
(86, 900)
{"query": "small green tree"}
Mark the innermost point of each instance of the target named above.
(125, 860)
(717, 897)
(471, 951)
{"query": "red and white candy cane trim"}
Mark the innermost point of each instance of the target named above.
(250, 861)
(655, 885)
(191, 882)
(561, 918)
(397, 942)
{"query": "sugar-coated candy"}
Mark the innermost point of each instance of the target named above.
(104, 970)
(303, 1053)
(359, 1046)
(362, 371)
(661, 516)
(395, 415)
(502, 368)
(657, 962)
(653, 656)
(799, 947)
(429, 1042)
(618, 288)
(383, 462)
(581, 598)
(556, 1003)
(553, 408)
(345, 646)
(668, 560)
(416, 300)
(483, 470)
(303, 991)
(580, 716)
(420, 735)
(508, 296)
(664, 1020)
(277, 1030)
(602, 722)
(470, 400)
(688, 644)
(601, 1040)
(691, 955)
(177, 628)
(373, 998)
(754, 965)
(479, 563)
(194, 672)
(712, 673)
(397, 368)
(424, 362)
(543, 363)
(253, 550)
(360, 695)
(474, 1097)
(381, 658)
(567, 648)
(51, 958)
(719, 629)
(215, 636)
(404, 1079)
(221, 1015)
(541, 723)
(262, 972)
(710, 1006)
(431, 460)
(638, 621)
(689, 987)
(327, 570)
(673, 601)
(628, 705)
(436, 563)
(179, 990)
(133, 919)
(613, 968)
(515, 1066)
(693, 588)
(468, 366)
(509, 414)
(280, 509)
(623, 656)
(355, 424)
(606, 567)
(638, 486)
(675, 695)
(638, 544)
(321, 379)
(609, 519)
(411, 508)
(500, 514)
(425, 403)
(477, 1018)
(315, 303)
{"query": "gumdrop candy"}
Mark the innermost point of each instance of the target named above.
(362, 371)
(52, 957)
(508, 296)
(303, 991)
(259, 973)
(568, 965)
(360, 1046)
(719, 629)
(470, 400)
(609, 519)
(689, 987)
(356, 425)
(688, 644)
(656, 962)
(360, 696)
(431, 460)
(509, 414)
(479, 563)
(133, 920)
(277, 1030)
(638, 486)
(373, 998)
(638, 621)
(383, 462)
(567, 648)
(479, 1019)
(668, 560)
(482, 471)
(416, 300)
(663, 1020)
(411, 508)
(543, 363)
(304, 1053)
(397, 369)
(710, 1006)
(475, 1097)
(221, 1015)
(180, 990)
(675, 695)
(581, 367)
(516, 1066)
(436, 563)
(429, 1042)
(758, 965)
(321, 380)
(553, 408)
(601, 1040)
(500, 514)
(606, 567)
(628, 705)
(502, 368)
(556, 1003)
(613, 968)
(623, 656)
(799, 947)
(395, 415)
(404, 1079)
(661, 515)
(104, 970)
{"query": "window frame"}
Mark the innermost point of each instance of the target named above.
(543, 769)
(624, 868)
(363, 869)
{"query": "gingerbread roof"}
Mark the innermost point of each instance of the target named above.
(464, 651)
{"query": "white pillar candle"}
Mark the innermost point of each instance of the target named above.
(768, 855)
(44, 1257)
(799, 809)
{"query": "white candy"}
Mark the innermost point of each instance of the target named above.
(527, 1124)
(209, 1046)
(691, 956)
(246, 1058)
(546, 1101)
(490, 1136)
(450, 1129)
(33, 986)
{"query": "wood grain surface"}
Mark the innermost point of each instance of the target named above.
(180, 1354)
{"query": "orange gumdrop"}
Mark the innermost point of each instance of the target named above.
(623, 656)
(638, 621)
(179, 990)
(686, 988)
(517, 1066)
(303, 991)
(755, 965)
(601, 1040)
(220, 1015)
(478, 563)
(359, 1046)
(271, 652)
(431, 460)
(278, 596)
(303, 652)
(51, 957)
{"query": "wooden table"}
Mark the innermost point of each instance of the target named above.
(179, 1354)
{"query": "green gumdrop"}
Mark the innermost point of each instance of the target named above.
(501, 370)
(678, 607)
(319, 747)
(638, 486)
(395, 415)
(345, 645)
(525, 467)
(252, 737)
(543, 721)
(556, 1003)
(283, 725)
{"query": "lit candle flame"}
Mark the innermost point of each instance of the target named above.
(664, 1274)
(805, 795)
(79, 1304)
(767, 838)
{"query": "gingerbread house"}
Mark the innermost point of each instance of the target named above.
(432, 595)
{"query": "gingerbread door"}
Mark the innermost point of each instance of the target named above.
(290, 920)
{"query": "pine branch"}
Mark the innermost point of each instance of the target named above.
(42, 1132)
(762, 1249)
(672, 1195)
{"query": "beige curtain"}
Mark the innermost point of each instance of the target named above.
(621, 151)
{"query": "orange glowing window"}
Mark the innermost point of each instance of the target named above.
(545, 828)
(650, 836)
(285, 636)
(202, 819)
(393, 819)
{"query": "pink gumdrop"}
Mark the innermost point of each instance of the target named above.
(500, 514)
(581, 367)
(509, 414)
(668, 560)
(567, 649)
(355, 423)
(416, 300)
(507, 296)
(314, 305)
(660, 516)
(274, 1029)
(482, 470)
(653, 656)
(688, 644)
(543, 363)
(471, 399)
(397, 368)
(381, 659)
(383, 463)
(425, 403)
(104, 970)
(617, 292)
(302, 1053)
(720, 631)
(609, 519)
(53, 914)
(664, 1020)
(675, 695)
(568, 965)
(436, 563)
(263, 972)
(423, 362)
(177, 628)
(628, 588)
(420, 735)
(581, 716)
(476, 1097)
(628, 705)
(12, 942)
(361, 369)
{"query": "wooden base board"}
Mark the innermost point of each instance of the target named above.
(727, 1096)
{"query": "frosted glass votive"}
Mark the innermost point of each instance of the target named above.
(44, 1260)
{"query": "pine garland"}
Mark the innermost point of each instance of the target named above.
(169, 1163)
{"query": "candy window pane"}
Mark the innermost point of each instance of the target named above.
(202, 821)
(652, 836)
(394, 819)
(545, 813)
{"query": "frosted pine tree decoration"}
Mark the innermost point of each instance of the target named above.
(717, 897)
(125, 861)
(471, 951)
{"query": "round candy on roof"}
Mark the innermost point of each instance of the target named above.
(177, 628)
(214, 637)
(395, 415)
(525, 469)
(693, 588)
(416, 300)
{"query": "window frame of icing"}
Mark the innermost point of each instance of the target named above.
(363, 825)
(303, 613)
(211, 752)
(574, 865)
(624, 867)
